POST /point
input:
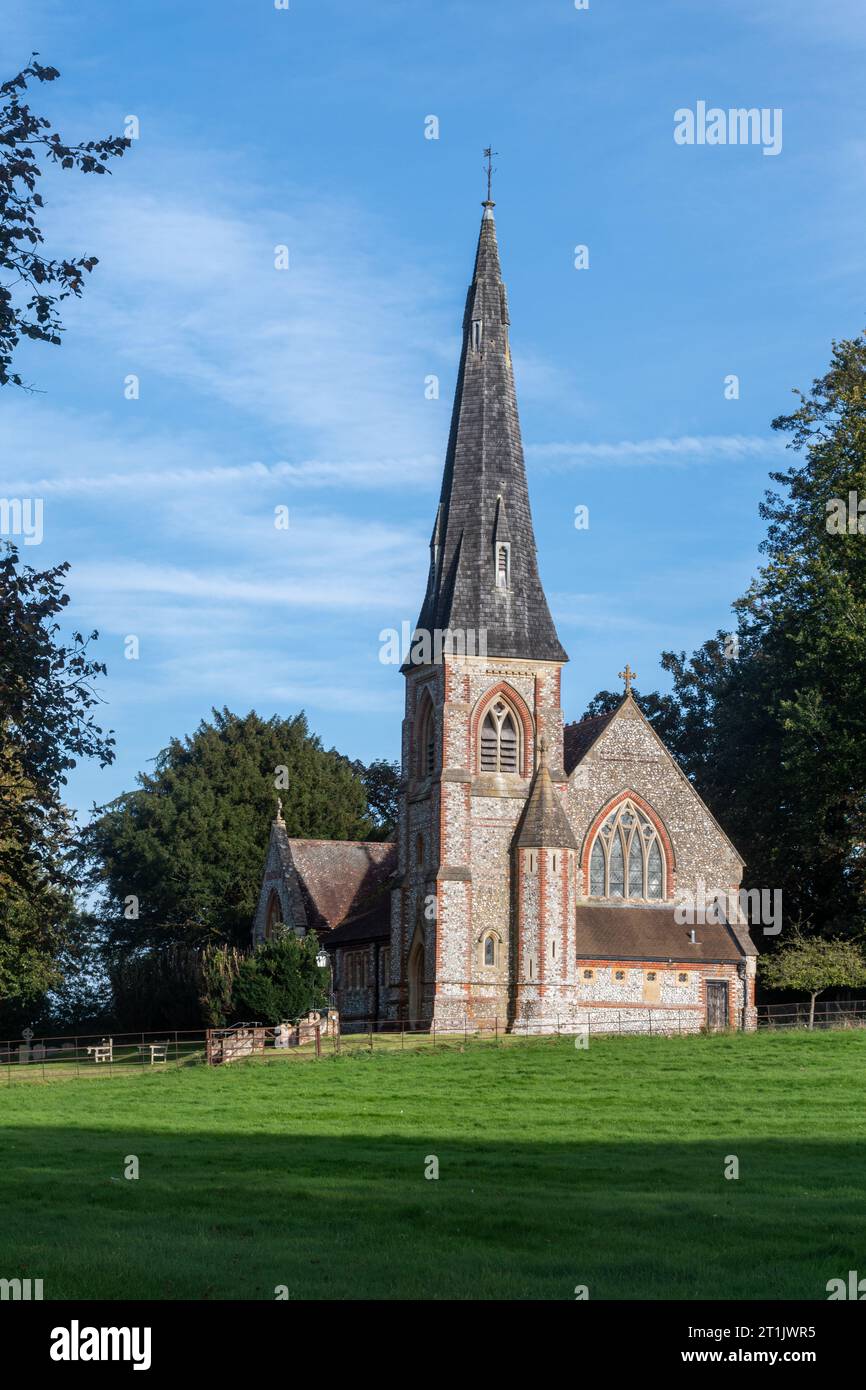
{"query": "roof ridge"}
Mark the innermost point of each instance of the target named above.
(589, 719)
(316, 840)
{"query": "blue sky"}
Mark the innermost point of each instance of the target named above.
(305, 388)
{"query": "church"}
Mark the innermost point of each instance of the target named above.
(534, 881)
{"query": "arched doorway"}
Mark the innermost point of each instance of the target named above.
(416, 981)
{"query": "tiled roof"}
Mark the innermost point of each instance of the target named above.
(609, 932)
(372, 925)
(340, 877)
(578, 738)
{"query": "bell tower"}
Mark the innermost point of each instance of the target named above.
(482, 688)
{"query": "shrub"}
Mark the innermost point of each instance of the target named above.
(280, 980)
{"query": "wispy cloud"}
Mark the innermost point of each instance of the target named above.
(838, 23)
(601, 613)
(332, 351)
(352, 588)
(678, 452)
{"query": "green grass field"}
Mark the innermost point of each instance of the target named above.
(557, 1167)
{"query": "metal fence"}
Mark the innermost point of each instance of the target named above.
(829, 1013)
(32, 1058)
(100, 1056)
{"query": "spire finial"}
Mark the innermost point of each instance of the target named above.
(542, 751)
(628, 675)
(279, 810)
(488, 155)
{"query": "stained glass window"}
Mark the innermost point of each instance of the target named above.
(596, 871)
(626, 859)
(615, 870)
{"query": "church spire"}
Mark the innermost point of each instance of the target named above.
(544, 823)
(484, 569)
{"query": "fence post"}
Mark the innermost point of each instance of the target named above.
(371, 1035)
(318, 1042)
(433, 1020)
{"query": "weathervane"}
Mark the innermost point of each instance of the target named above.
(628, 675)
(488, 155)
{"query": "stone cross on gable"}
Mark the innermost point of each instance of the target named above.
(628, 675)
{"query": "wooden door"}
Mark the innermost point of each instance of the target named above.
(717, 1005)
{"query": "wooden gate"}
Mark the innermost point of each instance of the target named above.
(230, 1044)
(717, 1005)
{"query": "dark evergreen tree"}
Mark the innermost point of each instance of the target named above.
(184, 851)
(381, 782)
(280, 980)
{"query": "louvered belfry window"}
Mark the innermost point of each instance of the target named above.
(502, 566)
(499, 744)
(426, 738)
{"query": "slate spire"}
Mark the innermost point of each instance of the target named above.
(544, 824)
(483, 564)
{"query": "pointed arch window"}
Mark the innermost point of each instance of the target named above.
(500, 744)
(626, 860)
(425, 738)
(274, 918)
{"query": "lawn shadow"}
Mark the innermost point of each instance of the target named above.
(216, 1215)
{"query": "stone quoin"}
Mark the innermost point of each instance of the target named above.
(534, 874)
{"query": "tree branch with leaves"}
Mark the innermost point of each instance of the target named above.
(36, 284)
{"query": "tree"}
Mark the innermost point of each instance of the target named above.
(47, 695)
(180, 858)
(814, 965)
(29, 302)
(32, 936)
(770, 720)
(280, 980)
(662, 711)
(151, 990)
(381, 782)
